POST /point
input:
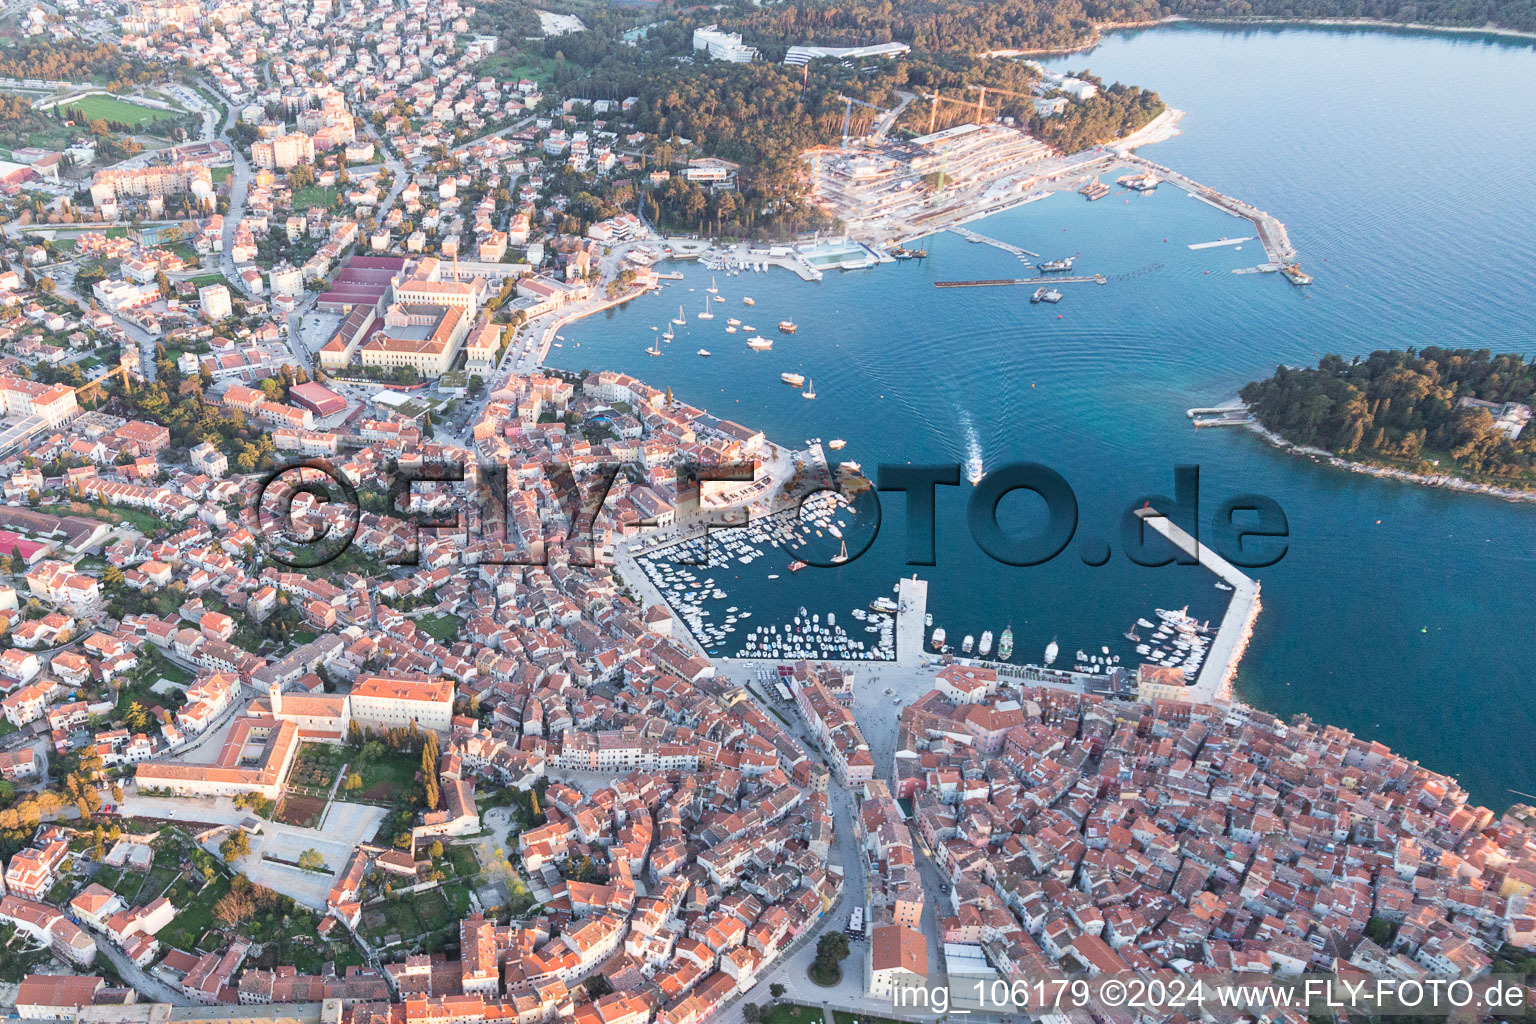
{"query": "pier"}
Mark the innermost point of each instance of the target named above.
(1044, 280)
(1215, 679)
(911, 620)
(976, 236)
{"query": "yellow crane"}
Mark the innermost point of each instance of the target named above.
(981, 100)
(933, 110)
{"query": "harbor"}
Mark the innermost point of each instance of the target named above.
(1271, 230)
(1214, 680)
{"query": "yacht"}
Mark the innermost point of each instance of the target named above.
(1051, 651)
(1005, 644)
(788, 326)
(733, 322)
(985, 647)
(760, 343)
(794, 380)
(884, 605)
(746, 300)
(837, 444)
(704, 352)
(967, 643)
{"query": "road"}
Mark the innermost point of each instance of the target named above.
(146, 984)
(888, 119)
(239, 186)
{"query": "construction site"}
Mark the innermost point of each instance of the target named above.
(890, 191)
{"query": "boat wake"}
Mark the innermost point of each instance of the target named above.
(973, 463)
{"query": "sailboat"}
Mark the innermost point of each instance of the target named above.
(654, 350)
(712, 289)
(842, 555)
(680, 319)
(706, 315)
(667, 335)
(810, 389)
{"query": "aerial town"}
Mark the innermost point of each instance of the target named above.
(487, 772)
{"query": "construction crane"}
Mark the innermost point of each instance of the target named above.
(848, 102)
(981, 100)
(933, 110)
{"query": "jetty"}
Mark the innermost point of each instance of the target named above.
(1230, 414)
(1052, 279)
(911, 620)
(1214, 681)
(976, 236)
(1271, 231)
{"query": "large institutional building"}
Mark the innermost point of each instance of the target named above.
(420, 320)
(151, 183)
(261, 747)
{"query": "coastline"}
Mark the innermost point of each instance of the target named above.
(1100, 29)
(1442, 481)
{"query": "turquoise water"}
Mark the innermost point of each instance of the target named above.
(1401, 165)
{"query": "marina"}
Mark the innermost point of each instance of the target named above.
(692, 575)
(1214, 681)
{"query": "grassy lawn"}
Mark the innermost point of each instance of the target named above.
(206, 279)
(389, 776)
(442, 628)
(793, 1013)
(113, 109)
(465, 863)
(221, 174)
(313, 195)
(514, 67)
(194, 917)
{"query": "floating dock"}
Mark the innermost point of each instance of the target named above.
(1221, 242)
(1051, 280)
(1215, 679)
